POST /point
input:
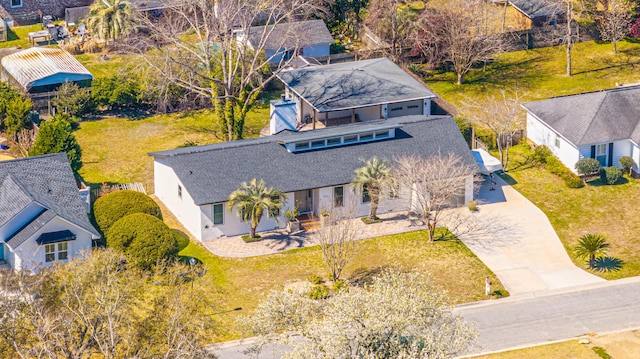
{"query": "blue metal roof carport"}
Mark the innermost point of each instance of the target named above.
(41, 69)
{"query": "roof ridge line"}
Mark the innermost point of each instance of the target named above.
(593, 115)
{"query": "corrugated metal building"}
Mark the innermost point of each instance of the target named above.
(39, 70)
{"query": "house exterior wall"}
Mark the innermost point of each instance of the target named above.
(28, 12)
(406, 108)
(31, 256)
(620, 148)
(369, 113)
(166, 189)
(541, 134)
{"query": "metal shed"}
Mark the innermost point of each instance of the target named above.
(38, 70)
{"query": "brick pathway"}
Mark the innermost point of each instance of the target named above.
(281, 240)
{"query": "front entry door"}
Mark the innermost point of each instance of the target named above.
(304, 201)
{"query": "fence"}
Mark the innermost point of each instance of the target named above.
(545, 36)
(105, 188)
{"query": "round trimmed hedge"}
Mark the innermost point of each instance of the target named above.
(108, 209)
(144, 238)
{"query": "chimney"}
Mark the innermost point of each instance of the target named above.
(283, 98)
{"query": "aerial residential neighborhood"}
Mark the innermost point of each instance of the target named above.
(319, 179)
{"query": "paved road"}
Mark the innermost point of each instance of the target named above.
(537, 318)
(515, 239)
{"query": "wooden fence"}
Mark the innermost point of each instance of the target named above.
(105, 188)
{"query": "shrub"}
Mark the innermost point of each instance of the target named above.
(473, 206)
(17, 115)
(572, 181)
(556, 167)
(314, 279)
(108, 209)
(116, 91)
(627, 164)
(611, 175)
(319, 292)
(367, 220)
(540, 154)
(73, 100)
(587, 166)
(339, 285)
(181, 238)
(55, 135)
(145, 239)
(248, 239)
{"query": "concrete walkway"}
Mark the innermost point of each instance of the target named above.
(515, 239)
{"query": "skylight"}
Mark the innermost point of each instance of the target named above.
(318, 140)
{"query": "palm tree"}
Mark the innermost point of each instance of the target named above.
(370, 179)
(110, 19)
(591, 246)
(253, 199)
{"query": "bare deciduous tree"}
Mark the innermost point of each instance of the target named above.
(466, 30)
(614, 21)
(207, 47)
(337, 239)
(393, 21)
(501, 114)
(435, 181)
(400, 315)
(25, 140)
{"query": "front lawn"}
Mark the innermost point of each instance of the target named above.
(541, 73)
(595, 208)
(115, 150)
(18, 36)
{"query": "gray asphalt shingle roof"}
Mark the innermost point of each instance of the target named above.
(46, 180)
(595, 117)
(535, 8)
(290, 34)
(354, 84)
(210, 173)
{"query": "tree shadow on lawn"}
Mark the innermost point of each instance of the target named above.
(364, 276)
(509, 73)
(510, 180)
(608, 264)
(598, 182)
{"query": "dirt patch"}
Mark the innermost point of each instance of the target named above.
(624, 345)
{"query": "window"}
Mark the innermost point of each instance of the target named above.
(62, 251)
(382, 134)
(365, 195)
(180, 191)
(366, 137)
(316, 144)
(218, 213)
(557, 143)
(396, 108)
(333, 141)
(16, 3)
(601, 154)
(302, 145)
(350, 139)
(338, 196)
(413, 106)
(50, 251)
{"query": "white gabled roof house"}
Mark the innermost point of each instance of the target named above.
(603, 125)
(314, 169)
(42, 216)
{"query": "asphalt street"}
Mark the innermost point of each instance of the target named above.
(530, 319)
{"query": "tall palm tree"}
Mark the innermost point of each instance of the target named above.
(110, 19)
(591, 246)
(371, 178)
(254, 199)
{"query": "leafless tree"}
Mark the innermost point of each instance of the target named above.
(25, 139)
(393, 22)
(337, 239)
(501, 114)
(466, 30)
(209, 47)
(434, 182)
(614, 21)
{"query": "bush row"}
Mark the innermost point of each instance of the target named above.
(543, 155)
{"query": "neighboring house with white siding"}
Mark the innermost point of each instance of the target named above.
(604, 125)
(42, 216)
(349, 92)
(313, 168)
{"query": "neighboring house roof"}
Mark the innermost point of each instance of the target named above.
(210, 173)
(303, 61)
(47, 181)
(536, 8)
(290, 35)
(40, 66)
(354, 84)
(595, 117)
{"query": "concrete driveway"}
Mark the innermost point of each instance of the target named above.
(515, 239)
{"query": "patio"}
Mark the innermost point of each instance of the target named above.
(280, 240)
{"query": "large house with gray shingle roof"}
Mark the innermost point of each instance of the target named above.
(314, 169)
(604, 125)
(42, 216)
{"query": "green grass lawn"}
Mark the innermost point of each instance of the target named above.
(115, 150)
(17, 36)
(541, 73)
(595, 208)
(245, 281)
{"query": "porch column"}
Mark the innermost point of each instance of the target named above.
(314, 119)
(353, 115)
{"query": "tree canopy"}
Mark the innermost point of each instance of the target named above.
(55, 135)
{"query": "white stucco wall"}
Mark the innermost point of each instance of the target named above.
(166, 189)
(30, 255)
